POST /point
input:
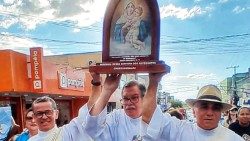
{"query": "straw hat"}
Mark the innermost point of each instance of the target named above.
(209, 93)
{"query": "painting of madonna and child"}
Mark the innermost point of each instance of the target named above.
(130, 29)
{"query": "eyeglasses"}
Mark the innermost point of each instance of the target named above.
(234, 110)
(48, 113)
(133, 99)
(208, 105)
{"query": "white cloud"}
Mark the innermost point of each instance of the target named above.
(238, 9)
(186, 86)
(201, 76)
(180, 13)
(47, 52)
(7, 41)
(197, 1)
(176, 62)
(7, 22)
(31, 13)
(192, 77)
(173, 62)
(12, 42)
(8, 2)
(76, 30)
(223, 1)
(189, 62)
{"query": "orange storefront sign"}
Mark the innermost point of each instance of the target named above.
(34, 74)
(36, 55)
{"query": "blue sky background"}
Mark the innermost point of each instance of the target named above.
(199, 38)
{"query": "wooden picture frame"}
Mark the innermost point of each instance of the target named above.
(150, 17)
(131, 38)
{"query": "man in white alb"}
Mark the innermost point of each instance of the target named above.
(207, 108)
(46, 113)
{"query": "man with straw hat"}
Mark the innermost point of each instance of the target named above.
(207, 109)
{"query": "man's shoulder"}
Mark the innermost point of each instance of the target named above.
(225, 129)
(232, 134)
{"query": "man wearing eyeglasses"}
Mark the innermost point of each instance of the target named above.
(207, 108)
(46, 113)
(121, 124)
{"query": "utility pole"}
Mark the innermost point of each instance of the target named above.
(233, 67)
(235, 97)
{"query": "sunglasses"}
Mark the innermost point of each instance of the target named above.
(207, 105)
(234, 110)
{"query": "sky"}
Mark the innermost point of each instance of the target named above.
(200, 39)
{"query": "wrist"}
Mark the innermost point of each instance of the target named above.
(153, 82)
(95, 82)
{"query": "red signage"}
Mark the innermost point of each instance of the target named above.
(36, 55)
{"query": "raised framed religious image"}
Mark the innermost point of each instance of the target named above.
(131, 38)
(131, 31)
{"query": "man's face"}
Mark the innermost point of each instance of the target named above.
(207, 114)
(45, 116)
(30, 122)
(244, 117)
(132, 101)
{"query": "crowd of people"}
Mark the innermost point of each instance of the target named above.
(242, 125)
(139, 119)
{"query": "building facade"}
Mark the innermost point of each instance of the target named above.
(236, 89)
(26, 77)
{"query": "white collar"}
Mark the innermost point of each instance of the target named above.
(207, 132)
(43, 134)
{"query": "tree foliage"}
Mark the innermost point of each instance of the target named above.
(175, 103)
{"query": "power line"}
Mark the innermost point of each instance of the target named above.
(52, 21)
(207, 39)
(230, 44)
(52, 40)
(215, 45)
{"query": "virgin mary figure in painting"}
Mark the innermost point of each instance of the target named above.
(131, 30)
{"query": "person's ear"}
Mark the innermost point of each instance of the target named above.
(56, 114)
(194, 112)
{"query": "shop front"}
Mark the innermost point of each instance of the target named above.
(23, 78)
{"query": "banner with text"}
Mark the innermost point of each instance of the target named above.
(36, 55)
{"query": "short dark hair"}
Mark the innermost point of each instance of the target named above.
(45, 99)
(141, 87)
